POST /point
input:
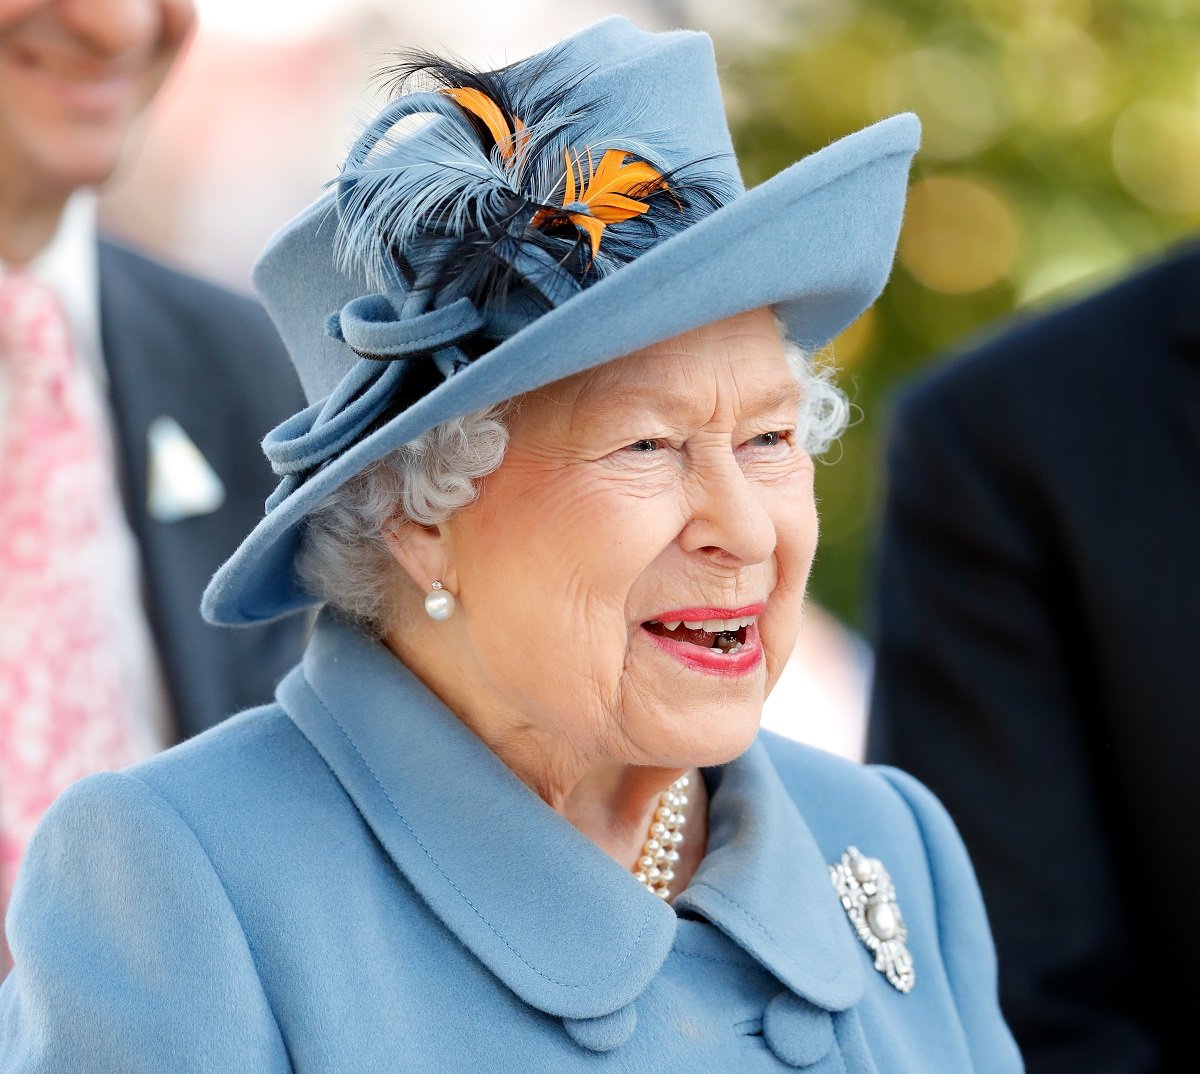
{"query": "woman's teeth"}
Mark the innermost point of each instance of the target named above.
(726, 636)
(711, 626)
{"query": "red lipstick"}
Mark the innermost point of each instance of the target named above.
(713, 661)
(693, 615)
(691, 646)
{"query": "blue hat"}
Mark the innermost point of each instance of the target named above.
(506, 229)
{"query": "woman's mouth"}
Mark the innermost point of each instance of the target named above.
(726, 636)
(720, 640)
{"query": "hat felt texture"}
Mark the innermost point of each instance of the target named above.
(816, 241)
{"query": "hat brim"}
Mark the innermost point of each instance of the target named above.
(816, 241)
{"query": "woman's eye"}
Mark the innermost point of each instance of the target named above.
(649, 444)
(770, 439)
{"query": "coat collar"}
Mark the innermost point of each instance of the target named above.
(766, 885)
(552, 916)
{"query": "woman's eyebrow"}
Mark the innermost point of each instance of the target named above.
(788, 396)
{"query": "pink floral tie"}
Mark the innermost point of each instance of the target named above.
(63, 710)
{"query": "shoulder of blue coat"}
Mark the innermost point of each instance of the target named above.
(94, 807)
(818, 778)
(96, 835)
(252, 731)
(944, 849)
(846, 803)
(252, 755)
(925, 805)
(253, 741)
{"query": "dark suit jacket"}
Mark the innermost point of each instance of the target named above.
(178, 346)
(1038, 656)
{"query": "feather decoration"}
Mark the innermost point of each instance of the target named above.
(608, 197)
(502, 166)
(505, 130)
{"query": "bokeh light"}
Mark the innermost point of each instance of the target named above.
(1061, 146)
(1059, 81)
(854, 343)
(955, 96)
(961, 234)
(1156, 153)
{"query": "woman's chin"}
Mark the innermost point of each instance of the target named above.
(701, 739)
(705, 712)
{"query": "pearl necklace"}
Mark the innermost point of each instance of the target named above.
(660, 852)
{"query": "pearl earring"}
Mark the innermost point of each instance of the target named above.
(439, 604)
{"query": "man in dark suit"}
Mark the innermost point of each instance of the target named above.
(185, 377)
(177, 346)
(1037, 656)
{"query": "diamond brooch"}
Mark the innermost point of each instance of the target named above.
(869, 898)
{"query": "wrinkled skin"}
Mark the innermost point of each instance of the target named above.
(653, 483)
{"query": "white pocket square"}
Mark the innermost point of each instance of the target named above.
(180, 482)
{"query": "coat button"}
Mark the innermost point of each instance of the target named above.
(797, 1032)
(604, 1033)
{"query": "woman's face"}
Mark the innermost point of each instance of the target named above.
(667, 487)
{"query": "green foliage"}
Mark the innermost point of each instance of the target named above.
(1061, 145)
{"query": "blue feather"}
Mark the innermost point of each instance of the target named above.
(445, 208)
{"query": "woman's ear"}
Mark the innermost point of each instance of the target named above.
(423, 552)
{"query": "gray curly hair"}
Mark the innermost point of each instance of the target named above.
(344, 556)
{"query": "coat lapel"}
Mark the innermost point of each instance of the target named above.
(551, 915)
(766, 885)
(128, 362)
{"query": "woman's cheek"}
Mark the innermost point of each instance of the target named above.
(795, 516)
(628, 528)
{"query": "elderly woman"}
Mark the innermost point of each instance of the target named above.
(555, 495)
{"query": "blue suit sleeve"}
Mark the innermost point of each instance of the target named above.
(128, 956)
(965, 940)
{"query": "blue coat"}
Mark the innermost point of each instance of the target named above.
(349, 882)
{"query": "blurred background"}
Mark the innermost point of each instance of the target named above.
(1062, 144)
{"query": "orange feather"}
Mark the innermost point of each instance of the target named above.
(480, 105)
(607, 193)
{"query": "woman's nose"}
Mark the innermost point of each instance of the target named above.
(728, 518)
